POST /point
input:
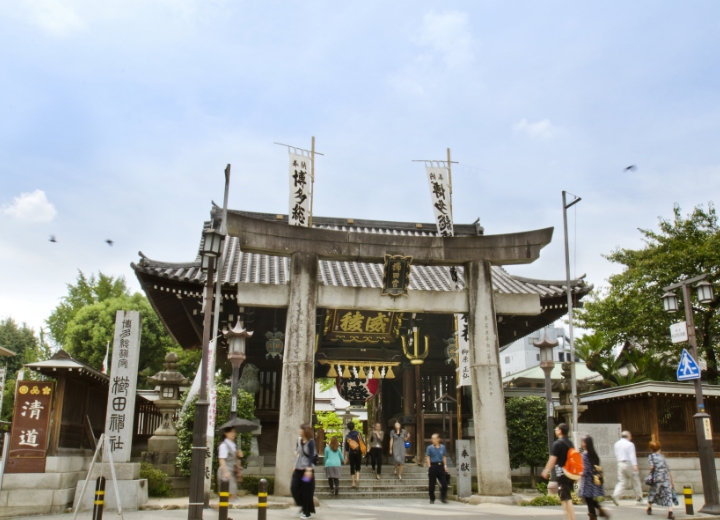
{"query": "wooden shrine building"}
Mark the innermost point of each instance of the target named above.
(330, 276)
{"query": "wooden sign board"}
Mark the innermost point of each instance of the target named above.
(30, 427)
(352, 326)
(396, 275)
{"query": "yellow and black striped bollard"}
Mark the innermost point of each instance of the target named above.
(99, 499)
(687, 491)
(262, 499)
(223, 502)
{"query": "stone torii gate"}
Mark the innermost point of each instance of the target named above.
(476, 254)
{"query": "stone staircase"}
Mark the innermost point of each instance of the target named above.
(413, 485)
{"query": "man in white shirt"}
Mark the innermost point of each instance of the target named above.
(627, 471)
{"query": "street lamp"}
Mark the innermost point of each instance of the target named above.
(547, 363)
(702, 419)
(236, 355)
(212, 244)
(670, 302)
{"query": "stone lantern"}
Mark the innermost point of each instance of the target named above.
(164, 439)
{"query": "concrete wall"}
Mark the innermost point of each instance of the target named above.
(43, 493)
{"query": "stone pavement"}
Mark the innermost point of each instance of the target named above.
(397, 509)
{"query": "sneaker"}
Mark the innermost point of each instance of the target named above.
(615, 500)
(432, 501)
(304, 516)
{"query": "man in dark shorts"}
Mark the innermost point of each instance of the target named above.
(558, 457)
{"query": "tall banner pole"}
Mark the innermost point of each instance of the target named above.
(312, 179)
(212, 359)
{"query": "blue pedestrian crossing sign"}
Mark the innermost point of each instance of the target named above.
(688, 368)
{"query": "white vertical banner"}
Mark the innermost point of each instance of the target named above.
(212, 412)
(439, 182)
(120, 414)
(300, 190)
(463, 351)
(3, 370)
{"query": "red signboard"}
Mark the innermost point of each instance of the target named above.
(30, 427)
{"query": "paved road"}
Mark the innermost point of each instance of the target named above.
(399, 509)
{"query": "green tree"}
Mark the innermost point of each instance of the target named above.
(331, 424)
(188, 361)
(85, 291)
(89, 331)
(527, 432)
(630, 310)
(186, 422)
(28, 348)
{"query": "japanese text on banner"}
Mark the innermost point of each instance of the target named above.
(300, 190)
(120, 415)
(441, 200)
(463, 351)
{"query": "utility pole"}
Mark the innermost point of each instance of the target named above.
(573, 377)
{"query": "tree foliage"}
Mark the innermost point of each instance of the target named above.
(630, 310)
(28, 348)
(89, 331)
(331, 424)
(85, 291)
(22, 340)
(245, 410)
(527, 431)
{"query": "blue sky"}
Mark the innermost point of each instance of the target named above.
(119, 117)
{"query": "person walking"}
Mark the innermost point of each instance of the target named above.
(628, 474)
(302, 485)
(436, 460)
(353, 453)
(663, 482)
(376, 451)
(558, 458)
(229, 458)
(333, 462)
(591, 482)
(398, 438)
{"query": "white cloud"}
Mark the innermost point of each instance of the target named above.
(31, 207)
(542, 129)
(448, 34)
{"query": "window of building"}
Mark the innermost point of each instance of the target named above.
(561, 356)
(507, 360)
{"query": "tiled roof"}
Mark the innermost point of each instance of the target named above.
(265, 269)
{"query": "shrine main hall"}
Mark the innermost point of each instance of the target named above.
(315, 300)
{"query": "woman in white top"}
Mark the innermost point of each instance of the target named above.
(229, 457)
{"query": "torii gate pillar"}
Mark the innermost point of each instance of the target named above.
(491, 440)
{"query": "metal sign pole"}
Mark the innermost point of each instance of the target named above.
(573, 377)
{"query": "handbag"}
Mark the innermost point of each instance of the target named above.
(598, 477)
(650, 479)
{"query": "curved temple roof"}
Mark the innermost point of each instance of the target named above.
(266, 269)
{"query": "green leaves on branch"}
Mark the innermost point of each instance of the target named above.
(527, 431)
(629, 312)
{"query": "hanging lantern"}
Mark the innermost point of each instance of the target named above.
(331, 372)
(705, 292)
(670, 302)
(414, 356)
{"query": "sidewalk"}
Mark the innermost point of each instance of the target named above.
(244, 502)
(380, 509)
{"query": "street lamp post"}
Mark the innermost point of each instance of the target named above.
(702, 419)
(236, 355)
(547, 363)
(212, 244)
(573, 377)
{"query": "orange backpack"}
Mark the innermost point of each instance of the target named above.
(573, 467)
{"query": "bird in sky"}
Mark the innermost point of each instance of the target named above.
(109, 242)
(52, 238)
(631, 168)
